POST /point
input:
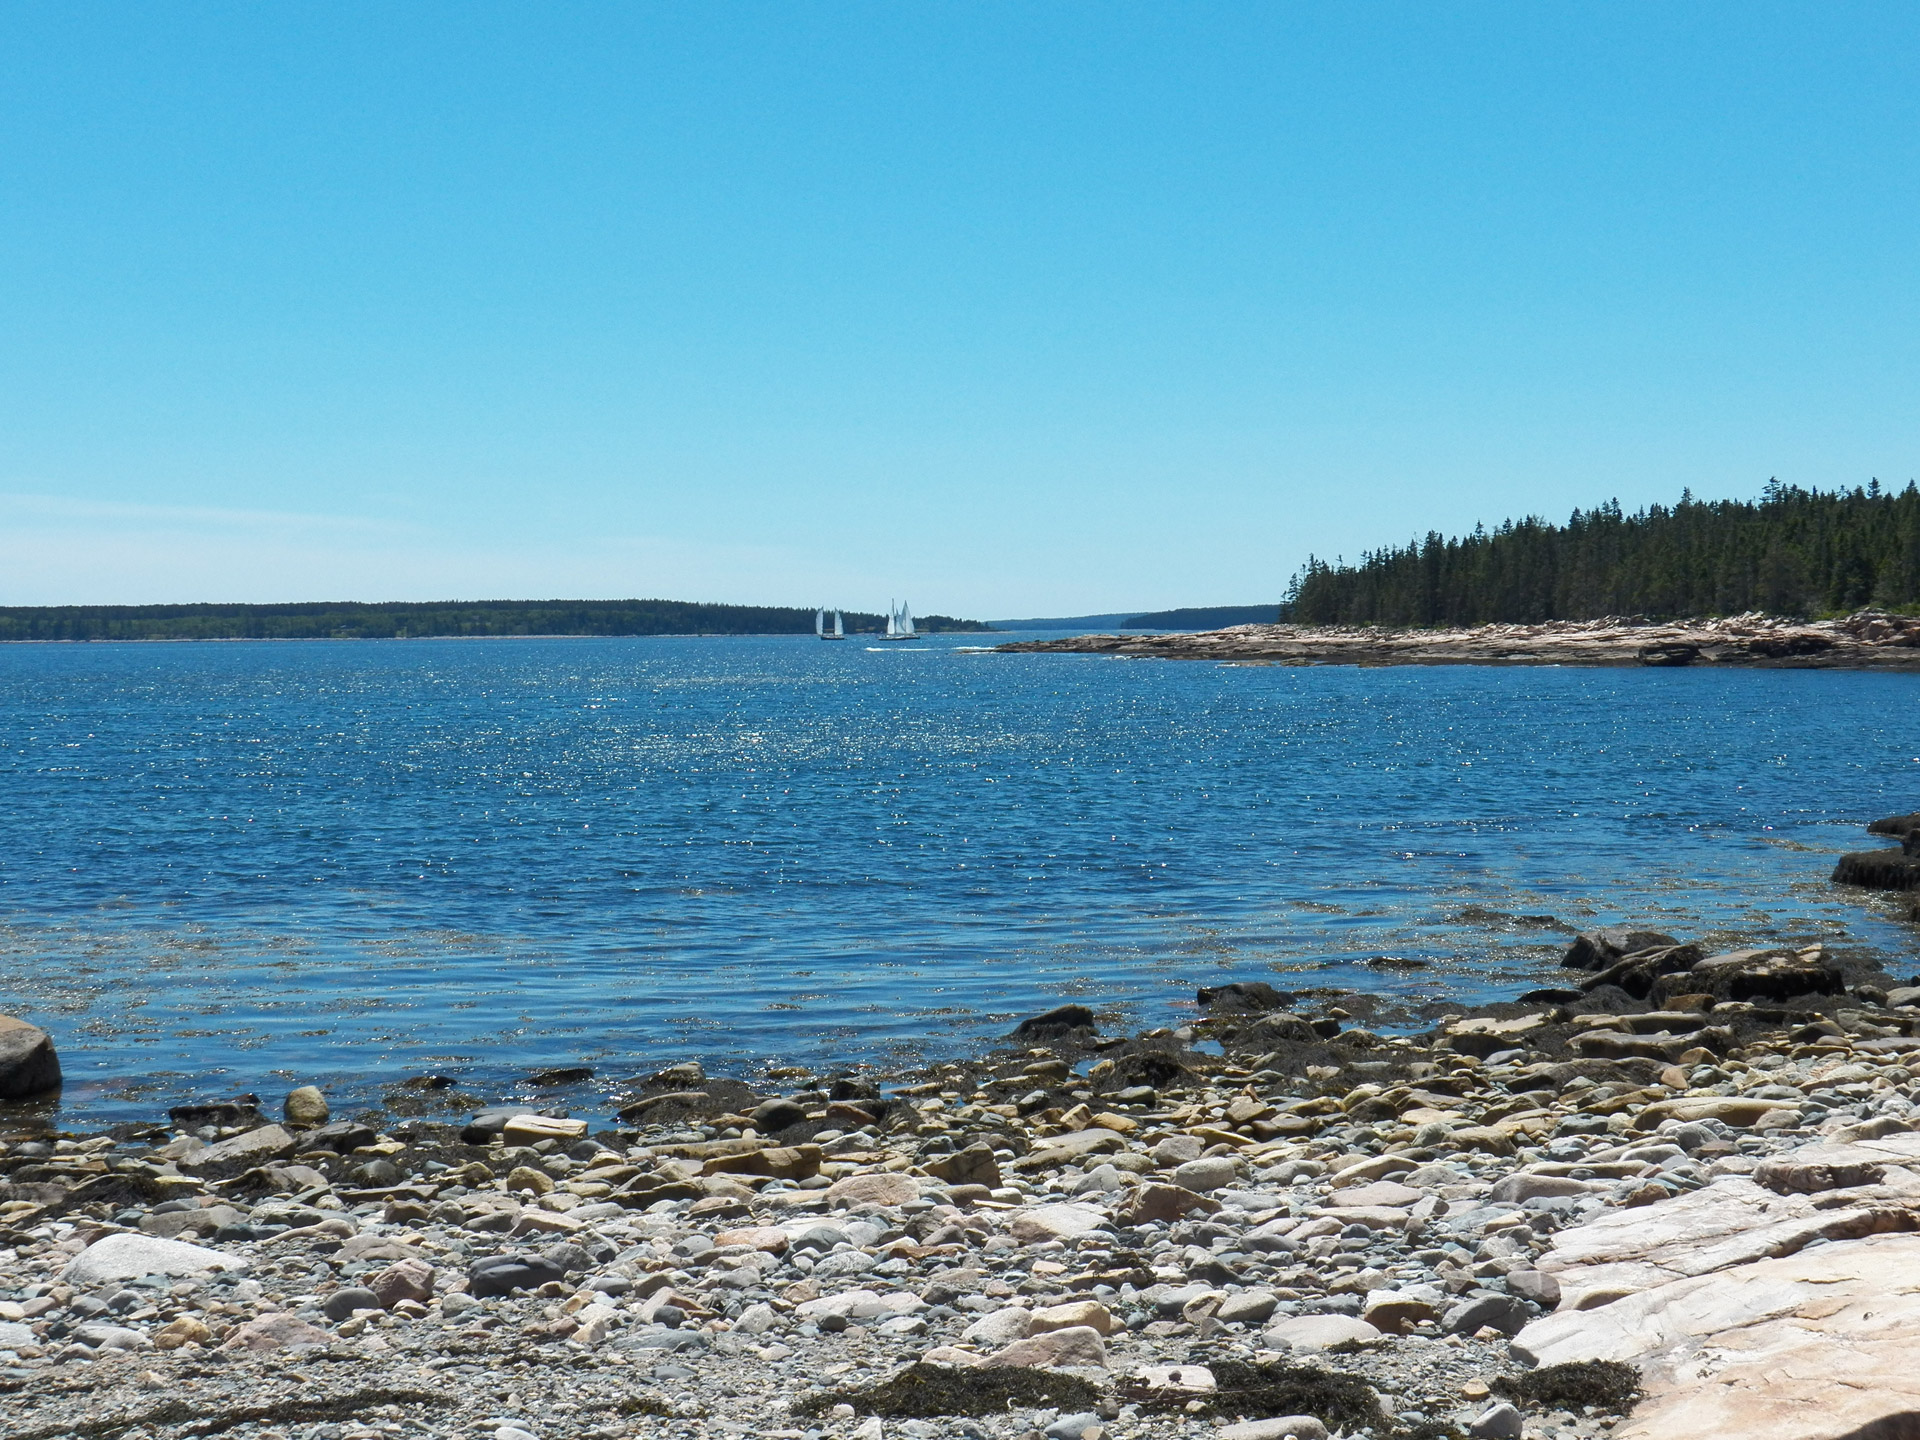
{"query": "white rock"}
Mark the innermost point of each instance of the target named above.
(1000, 1327)
(843, 1263)
(1212, 1173)
(1055, 1222)
(1729, 1223)
(1813, 1346)
(853, 1304)
(1249, 1307)
(1317, 1332)
(1284, 1427)
(1080, 1345)
(1190, 1379)
(593, 1322)
(755, 1320)
(1178, 1149)
(128, 1256)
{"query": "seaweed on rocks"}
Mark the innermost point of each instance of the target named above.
(921, 1391)
(1259, 1391)
(1608, 1385)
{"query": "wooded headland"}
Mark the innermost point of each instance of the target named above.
(1793, 552)
(399, 620)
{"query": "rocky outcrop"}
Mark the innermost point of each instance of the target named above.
(1599, 949)
(1887, 869)
(1867, 641)
(1816, 1345)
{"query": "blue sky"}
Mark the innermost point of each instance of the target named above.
(1009, 309)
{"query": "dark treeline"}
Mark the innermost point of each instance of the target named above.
(1792, 552)
(322, 620)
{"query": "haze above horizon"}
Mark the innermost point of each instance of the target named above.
(1008, 310)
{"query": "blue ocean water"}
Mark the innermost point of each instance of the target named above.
(242, 865)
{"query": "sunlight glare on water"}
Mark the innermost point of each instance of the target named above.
(234, 866)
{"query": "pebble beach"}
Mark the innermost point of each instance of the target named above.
(1673, 1193)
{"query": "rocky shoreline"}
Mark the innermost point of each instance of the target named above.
(1869, 640)
(1675, 1194)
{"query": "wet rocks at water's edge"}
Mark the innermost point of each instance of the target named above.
(1654, 1199)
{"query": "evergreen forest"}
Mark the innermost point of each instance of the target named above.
(322, 620)
(1792, 552)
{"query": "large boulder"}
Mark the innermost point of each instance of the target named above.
(306, 1107)
(1243, 997)
(28, 1064)
(503, 1274)
(1881, 869)
(974, 1165)
(1597, 949)
(128, 1256)
(1076, 1345)
(1055, 1024)
(239, 1152)
(1762, 975)
(1273, 1029)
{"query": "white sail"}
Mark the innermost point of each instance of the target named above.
(820, 622)
(906, 619)
(893, 622)
(839, 632)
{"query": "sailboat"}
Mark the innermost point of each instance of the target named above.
(839, 631)
(899, 623)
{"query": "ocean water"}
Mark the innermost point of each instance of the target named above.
(241, 866)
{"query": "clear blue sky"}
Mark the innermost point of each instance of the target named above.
(1006, 309)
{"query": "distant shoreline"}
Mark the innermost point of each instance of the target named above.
(435, 620)
(555, 635)
(1865, 641)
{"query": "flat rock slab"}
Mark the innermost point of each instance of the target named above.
(240, 1152)
(129, 1256)
(1729, 1223)
(1374, 1217)
(1380, 1192)
(1728, 1109)
(1058, 1150)
(276, 1332)
(1077, 1345)
(877, 1189)
(1186, 1379)
(1281, 1427)
(1318, 1332)
(1055, 1222)
(1830, 1166)
(1813, 1346)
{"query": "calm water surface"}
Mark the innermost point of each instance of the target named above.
(230, 866)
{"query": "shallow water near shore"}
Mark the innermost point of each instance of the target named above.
(243, 865)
